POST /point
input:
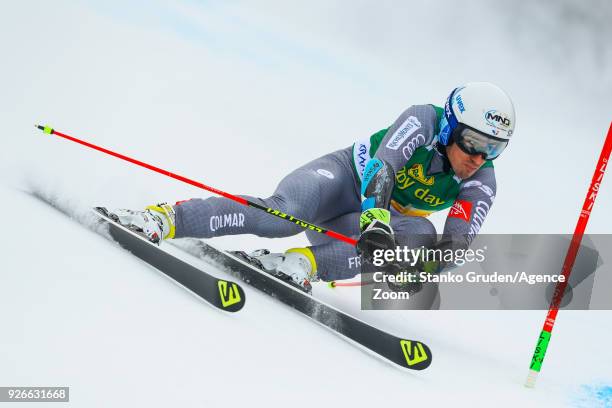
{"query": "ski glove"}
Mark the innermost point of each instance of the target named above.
(376, 233)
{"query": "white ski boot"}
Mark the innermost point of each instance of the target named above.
(296, 266)
(156, 221)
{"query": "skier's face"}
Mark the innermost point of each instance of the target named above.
(464, 165)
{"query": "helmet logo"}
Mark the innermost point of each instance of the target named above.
(497, 119)
(447, 108)
(460, 104)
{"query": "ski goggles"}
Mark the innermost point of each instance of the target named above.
(472, 141)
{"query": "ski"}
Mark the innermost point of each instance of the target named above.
(223, 294)
(405, 353)
(229, 296)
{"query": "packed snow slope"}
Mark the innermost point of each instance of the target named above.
(236, 95)
(80, 311)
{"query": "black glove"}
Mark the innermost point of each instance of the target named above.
(376, 233)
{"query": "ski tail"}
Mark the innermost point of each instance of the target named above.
(223, 294)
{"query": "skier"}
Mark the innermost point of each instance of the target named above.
(379, 191)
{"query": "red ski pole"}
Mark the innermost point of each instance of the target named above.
(570, 257)
(301, 223)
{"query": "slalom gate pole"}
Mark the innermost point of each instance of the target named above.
(300, 223)
(570, 257)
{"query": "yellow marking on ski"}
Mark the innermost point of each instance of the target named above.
(229, 293)
(413, 355)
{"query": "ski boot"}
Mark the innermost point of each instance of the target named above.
(297, 266)
(156, 221)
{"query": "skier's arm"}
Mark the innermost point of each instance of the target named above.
(471, 207)
(413, 128)
(374, 222)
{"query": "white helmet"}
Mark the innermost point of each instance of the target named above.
(479, 117)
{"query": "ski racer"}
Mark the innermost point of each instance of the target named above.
(379, 191)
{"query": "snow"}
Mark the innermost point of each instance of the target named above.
(84, 313)
(236, 96)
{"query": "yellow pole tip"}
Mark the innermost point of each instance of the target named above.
(46, 129)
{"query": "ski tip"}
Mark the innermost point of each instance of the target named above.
(231, 296)
(417, 356)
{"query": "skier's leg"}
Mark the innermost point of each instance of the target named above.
(337, 260)
(346, 224)
(319, 190)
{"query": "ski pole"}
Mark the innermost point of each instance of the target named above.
(336, 284)
(300, 223)
(568, 263)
